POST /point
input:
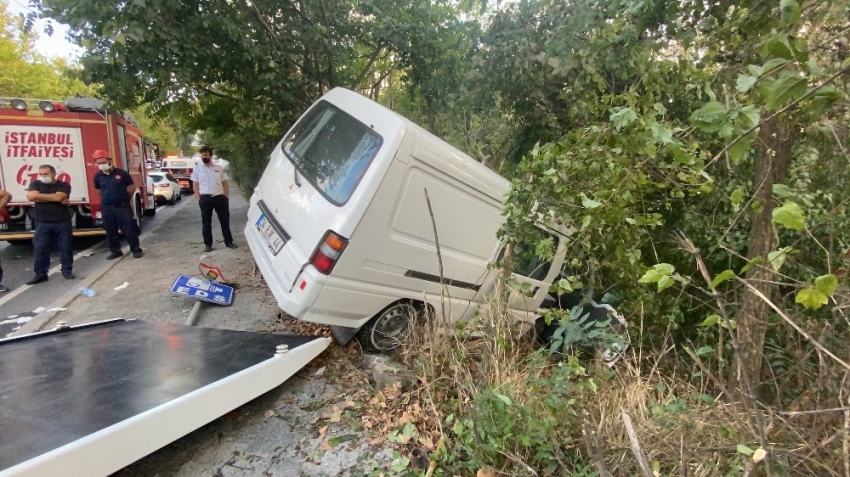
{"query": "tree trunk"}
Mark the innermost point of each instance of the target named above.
(773, 146)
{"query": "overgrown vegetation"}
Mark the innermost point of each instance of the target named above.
(699, 149)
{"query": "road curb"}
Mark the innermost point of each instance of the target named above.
(40, 320)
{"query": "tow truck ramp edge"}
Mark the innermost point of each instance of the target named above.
(170, 376)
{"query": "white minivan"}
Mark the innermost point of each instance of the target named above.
(340, 228)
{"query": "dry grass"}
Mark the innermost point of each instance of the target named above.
(685, 425)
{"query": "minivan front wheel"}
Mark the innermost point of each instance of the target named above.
(388, 330)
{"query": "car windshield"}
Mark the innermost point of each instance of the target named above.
(332, 150)
(156, 178)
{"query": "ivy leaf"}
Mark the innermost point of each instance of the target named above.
(790, 11)
(710, 321)
(742, 449)
(779, 46)
(814, 69)
(739, 150)
(755, 70)
(665, 268)
(784, 90)
(773, 63)
(337, 440)
(777, 257)
(657, 272)
(781, 190)
(722, 277)
(736, 198)
(827, 284)
(705, 349)
(589, 203)
(710, 117)
(811, 298)
(504, 399)
(665, 282)
(622, 117)
(748, 117)
(790, 215)
(745, 82)
(661, 134)
(823, 99)
(750, 265)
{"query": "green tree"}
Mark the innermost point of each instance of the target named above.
(652, 120)
(25, 73)
(243, 69)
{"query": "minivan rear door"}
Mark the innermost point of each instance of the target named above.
(313, 181)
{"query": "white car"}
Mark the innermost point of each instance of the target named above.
(165, 187)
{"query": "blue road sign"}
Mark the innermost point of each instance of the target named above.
(203, 290)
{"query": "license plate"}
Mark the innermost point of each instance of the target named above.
(4, 226)
(273, 239)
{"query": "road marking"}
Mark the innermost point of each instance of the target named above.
(8, 296)
(52, 271)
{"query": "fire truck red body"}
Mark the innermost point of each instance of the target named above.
(65, 135)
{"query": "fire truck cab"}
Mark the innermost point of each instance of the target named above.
(64, 135)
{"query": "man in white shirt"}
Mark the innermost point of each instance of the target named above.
(209, 182)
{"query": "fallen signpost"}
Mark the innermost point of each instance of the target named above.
(203, 291)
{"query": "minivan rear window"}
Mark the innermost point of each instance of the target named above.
(332, 150)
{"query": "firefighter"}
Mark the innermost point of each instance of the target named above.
(116, 188)
(52, 223)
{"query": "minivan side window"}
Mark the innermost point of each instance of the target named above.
(332, 150)
(526, 262)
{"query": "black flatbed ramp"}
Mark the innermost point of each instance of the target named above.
(89, 400)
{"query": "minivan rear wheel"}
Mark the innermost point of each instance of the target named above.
(389, 329)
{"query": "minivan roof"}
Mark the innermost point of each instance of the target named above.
(466, 169)
(474, 173)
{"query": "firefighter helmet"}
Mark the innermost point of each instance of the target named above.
(100, 153)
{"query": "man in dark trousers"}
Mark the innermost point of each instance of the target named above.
(5, 197)
(209, 182)
(52, 223)
(116, 188)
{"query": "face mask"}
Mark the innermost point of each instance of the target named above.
(104, 167)
(206, 160)
(46, 180)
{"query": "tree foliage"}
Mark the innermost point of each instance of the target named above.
(25, 73)
(698, 149)
(244, 71)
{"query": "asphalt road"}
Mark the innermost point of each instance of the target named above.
(23, 301)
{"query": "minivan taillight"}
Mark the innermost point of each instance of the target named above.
(328, 252)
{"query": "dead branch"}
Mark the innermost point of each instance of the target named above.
(794, 325)
(814, 411)
(636, 449)
(688, 245)
(593, 450)
(439, 256)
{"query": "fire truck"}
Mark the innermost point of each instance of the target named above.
(64, 135)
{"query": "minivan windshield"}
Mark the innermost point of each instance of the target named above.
(332, 150)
